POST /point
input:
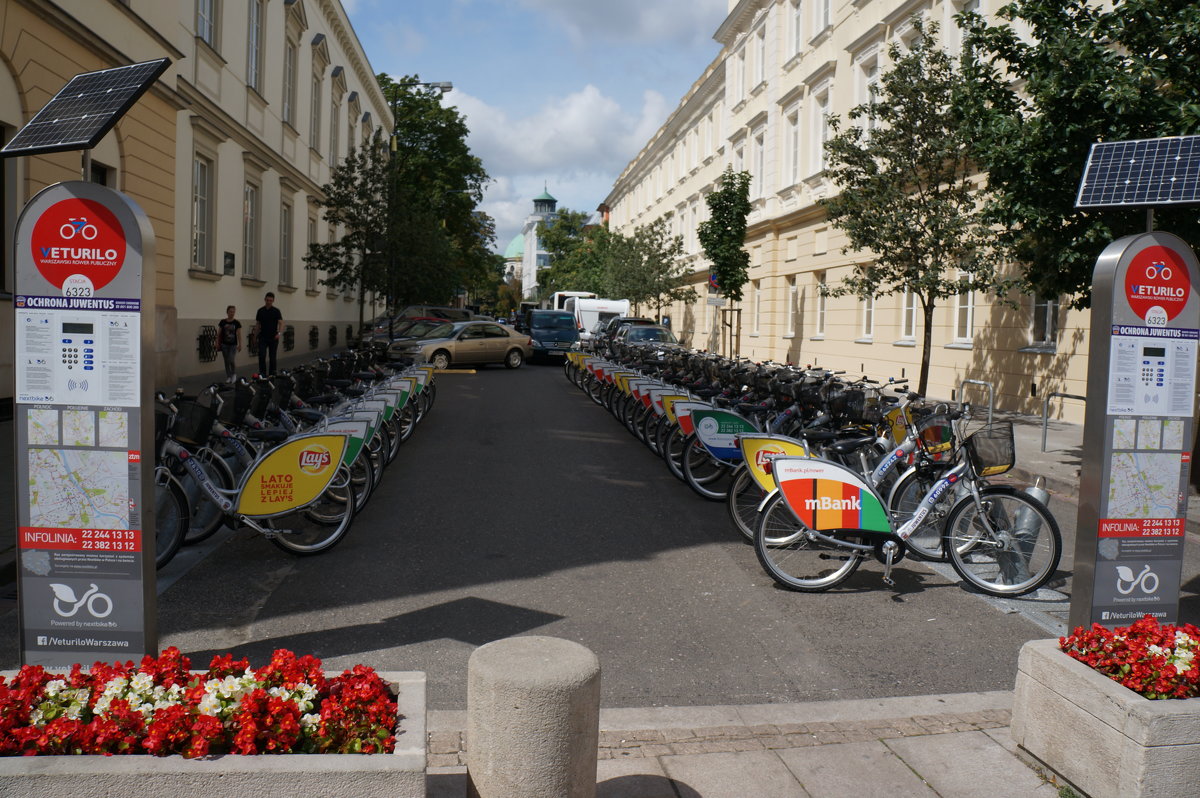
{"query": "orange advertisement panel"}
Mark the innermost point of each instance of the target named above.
(291, 476)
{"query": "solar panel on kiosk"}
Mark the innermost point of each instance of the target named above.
(1162, 171)
(85, 109)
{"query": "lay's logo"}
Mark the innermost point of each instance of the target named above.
(314, 460)
(760, 457)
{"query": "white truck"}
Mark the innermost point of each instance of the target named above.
(589, 312)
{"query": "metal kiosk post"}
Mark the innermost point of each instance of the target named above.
(1138, 426)
(83, 419)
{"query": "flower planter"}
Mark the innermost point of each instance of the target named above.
(1104, 739)
(400, 774)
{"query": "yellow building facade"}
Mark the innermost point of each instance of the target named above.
(762, 106)
(226, 153)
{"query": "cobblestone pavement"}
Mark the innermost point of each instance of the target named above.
(447, 749)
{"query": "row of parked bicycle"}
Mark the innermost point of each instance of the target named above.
(293, 456)
(821, 471)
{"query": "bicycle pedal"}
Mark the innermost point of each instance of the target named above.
(887, 580)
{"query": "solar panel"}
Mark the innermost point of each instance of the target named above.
(1162, 171)
(85, 109)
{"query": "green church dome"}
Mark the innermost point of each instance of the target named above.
(516, 247)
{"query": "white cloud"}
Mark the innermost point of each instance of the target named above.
(659, 21)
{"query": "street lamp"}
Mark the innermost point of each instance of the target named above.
(442, 86)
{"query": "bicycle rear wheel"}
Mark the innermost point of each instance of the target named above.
(794, 560)
(207, 516)
(317, 528)
(1010, 545)
(906, 496)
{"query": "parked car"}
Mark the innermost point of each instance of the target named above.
(589, 340)
(467, 343)
(644, 333)
(384, 331)
(553, 332)
(602, 342)
(434, 311)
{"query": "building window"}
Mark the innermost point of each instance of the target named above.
(285, 244)
(821, 298)
(254, 46)
(908, 315)
(1044, 331)
(335, 113)
(824, 14)
(314, 127)
(964, 317)
(739, 74)
(868, 87)
(289, 82)
(797, 26)
(760, 56)
(310, 276)
(868, 317)
(760, 165)
(206, 22)
(202, 213)
(793, 308)
(793, 148)
(757, 306)
(250, 224)
(820, 132)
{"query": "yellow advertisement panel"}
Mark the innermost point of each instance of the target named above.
(756, 449)
(291, 476)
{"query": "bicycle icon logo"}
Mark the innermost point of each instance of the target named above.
(1158, 271)
(99, 605)
(80, 225)
(1147, 580)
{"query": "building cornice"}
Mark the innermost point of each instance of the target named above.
(339, 25)
(739, 20)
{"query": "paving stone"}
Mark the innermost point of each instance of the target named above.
(749, 744)
(671, 735)
(644, 736)
(445, 742)
(793, 728)
(775, 741)
(764, 729)
(802, 740)
(863, 770)
(714, 732)
(657, 749)
(700, 747)
(969, 765)
(733, 775)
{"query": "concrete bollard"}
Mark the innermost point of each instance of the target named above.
(533, 719)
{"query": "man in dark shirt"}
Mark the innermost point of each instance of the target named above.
(268, 326)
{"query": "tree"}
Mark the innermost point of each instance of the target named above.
(567, 239)
(906, 193)
(649, 270)
(435, 238)
(723, 234)
(354, 205)
(1054, 77)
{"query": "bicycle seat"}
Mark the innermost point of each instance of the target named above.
(706, 392)
(354, 392)
(268, 435)
(311, 416)
(323, 399)
(850, 445)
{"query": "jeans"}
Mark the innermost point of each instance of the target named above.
(266, 350)
(227, 351)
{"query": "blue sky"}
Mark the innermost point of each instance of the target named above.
(557, 93)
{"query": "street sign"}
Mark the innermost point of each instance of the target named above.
(84, 446)
(1138, 431)
(717, 301)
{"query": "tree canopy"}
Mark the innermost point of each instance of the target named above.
(723, 234)
(1052, 78)
(907, 200)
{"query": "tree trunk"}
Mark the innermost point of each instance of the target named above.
(926, 346)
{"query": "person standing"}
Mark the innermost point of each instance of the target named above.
(268, 326)
(229, 334)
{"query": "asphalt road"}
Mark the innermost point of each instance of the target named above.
(521, 507)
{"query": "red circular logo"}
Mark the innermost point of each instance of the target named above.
(78, 245)
(1157, 285)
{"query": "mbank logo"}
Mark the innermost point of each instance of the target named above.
(830, 503)
(315, 460)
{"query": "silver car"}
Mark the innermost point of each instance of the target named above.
(468, 343)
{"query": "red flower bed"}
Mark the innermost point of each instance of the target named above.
(160, 707)
(1158, 661)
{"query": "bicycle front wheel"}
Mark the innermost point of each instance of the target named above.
(904, 499)
(745, 495)
(793, 559)
(1007, 545)
(704, 473)
(170, 521)
(316, 528)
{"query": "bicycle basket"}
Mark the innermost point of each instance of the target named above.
(991, 449)
(236, 406)
(937, 433)
(193, 423)
(847, 404)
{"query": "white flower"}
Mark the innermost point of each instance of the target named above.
(54, 687)
(309, 721)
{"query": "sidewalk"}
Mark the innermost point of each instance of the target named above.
(951, 746)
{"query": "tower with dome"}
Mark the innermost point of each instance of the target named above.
(532, 257)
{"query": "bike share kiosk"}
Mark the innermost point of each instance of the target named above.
(83, 307)
(1141, 389)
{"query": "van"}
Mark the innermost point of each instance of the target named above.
(588, 312)
(552, 332)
